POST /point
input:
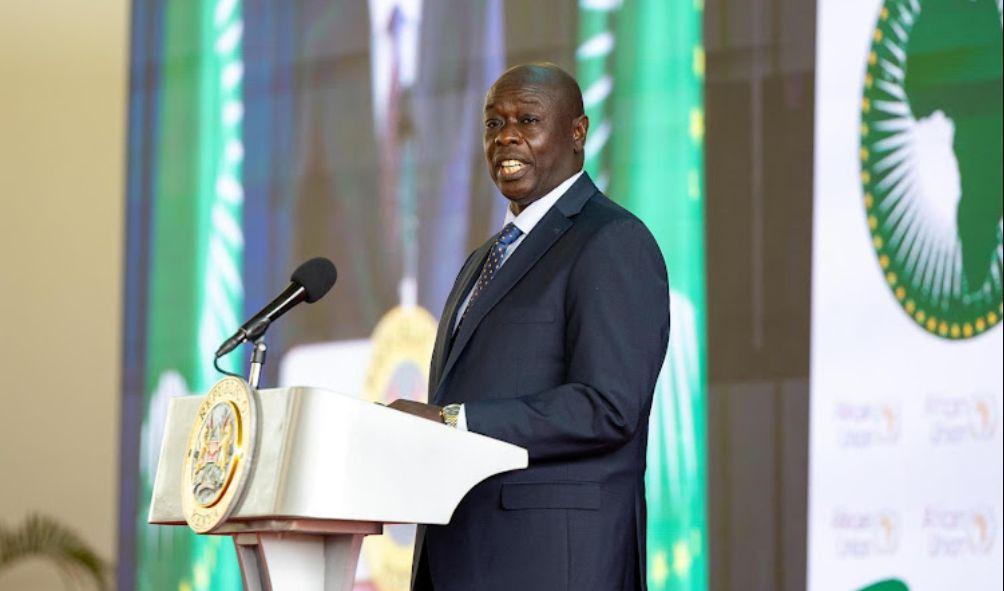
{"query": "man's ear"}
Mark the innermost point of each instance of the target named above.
(580, 127)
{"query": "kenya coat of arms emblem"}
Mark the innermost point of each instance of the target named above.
(220, 454)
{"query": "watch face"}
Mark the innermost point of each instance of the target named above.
(450, 413)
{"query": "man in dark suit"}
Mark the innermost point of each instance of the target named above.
(551, 339)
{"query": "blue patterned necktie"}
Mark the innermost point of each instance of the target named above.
(496, 255)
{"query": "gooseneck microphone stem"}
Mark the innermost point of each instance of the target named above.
(257, 362)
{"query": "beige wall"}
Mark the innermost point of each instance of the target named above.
(63, 84)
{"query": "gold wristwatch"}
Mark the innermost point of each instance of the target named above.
(449, 414)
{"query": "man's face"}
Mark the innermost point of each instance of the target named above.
(531, 140)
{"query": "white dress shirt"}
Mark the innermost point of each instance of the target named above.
(525, 221)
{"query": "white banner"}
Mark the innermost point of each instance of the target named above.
(906, 366)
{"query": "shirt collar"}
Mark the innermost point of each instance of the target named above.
(534, 212)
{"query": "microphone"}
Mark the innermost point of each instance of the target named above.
(309, 282)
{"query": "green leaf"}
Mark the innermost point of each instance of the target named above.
(41, 536)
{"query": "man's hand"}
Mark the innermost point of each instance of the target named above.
(419, 409)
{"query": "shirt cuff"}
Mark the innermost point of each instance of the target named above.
(462, 419)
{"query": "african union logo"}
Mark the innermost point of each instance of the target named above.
(864, 534)
(219, 455)
(931, 160)
(954, 531)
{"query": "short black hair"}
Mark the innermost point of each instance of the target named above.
(550, 75)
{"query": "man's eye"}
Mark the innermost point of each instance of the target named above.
(492, 123)
(529, 120)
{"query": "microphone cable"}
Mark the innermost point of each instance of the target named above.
(216, 364)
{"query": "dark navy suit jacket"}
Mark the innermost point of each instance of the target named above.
(559, 355)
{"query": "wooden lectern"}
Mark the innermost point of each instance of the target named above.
(327, 470)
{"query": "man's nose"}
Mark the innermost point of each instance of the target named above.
(508, 135)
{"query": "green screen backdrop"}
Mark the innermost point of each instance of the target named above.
(251, 127)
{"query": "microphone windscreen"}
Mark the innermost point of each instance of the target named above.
(316, 276)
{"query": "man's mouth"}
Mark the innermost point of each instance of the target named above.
(510, 169)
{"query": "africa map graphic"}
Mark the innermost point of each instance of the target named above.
(931, 152)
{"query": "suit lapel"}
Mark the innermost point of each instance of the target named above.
(465, 280)
(547, 231)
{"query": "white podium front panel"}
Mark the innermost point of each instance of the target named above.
(323, 455)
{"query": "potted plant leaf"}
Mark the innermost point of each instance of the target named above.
(40, 536)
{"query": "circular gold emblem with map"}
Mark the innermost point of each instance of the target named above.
(219, 455)
(930, 152)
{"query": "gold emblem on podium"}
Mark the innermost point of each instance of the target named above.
(219, 456)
